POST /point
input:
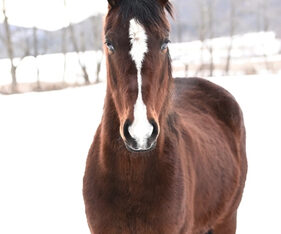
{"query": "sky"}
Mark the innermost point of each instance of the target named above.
(50, 14)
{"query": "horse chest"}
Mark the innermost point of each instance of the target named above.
(134, 197)
(138, 207)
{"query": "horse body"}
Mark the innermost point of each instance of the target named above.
(171, 189)
(186, 174)
(214, 139)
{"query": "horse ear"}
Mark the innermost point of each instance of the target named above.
(113, 3)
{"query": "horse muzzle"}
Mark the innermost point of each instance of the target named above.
(140, 137)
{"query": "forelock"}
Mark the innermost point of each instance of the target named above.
(149, 13)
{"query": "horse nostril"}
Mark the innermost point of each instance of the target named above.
(129, 140)
(155, 130)
(126, 130)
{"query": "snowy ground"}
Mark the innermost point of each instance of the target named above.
(44, 139)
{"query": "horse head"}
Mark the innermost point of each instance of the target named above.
(138, 68)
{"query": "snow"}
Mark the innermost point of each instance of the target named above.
(245, 45)
(260, 100)
(257, 52)
(51, 68)
(45, 138)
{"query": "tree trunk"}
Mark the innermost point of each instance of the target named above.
(231, 33)
(228, 59)
(211, 35)
(9, 46)
(202, 34)
(64, 50)
(76, 49)
(14, 77)
(98, 69)
(35, 51)
(265, 19)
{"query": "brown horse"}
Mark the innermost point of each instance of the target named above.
(169, 154)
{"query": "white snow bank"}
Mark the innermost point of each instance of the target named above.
(45, 138)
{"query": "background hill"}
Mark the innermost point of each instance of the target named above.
(88, 34)
(247, 16)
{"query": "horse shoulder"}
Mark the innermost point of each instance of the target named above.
(212, 115)
(210, 98)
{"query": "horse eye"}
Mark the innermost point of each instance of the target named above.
(164, 46)
(109, 46)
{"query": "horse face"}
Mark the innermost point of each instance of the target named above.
(138, 76)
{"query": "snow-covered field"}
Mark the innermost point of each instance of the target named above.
(44, 139)
(51, 68)
(252, 53)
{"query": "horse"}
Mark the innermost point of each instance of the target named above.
(169, 154)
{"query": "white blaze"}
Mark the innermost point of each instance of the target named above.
(140, 129)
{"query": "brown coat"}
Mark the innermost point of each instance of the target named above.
(191, 183)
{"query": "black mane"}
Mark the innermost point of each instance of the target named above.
(149, 13)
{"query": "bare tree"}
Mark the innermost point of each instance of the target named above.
(265, 15)
(98, 70)
(206, 30)
(98, 67)
(9, 45)
(35, 54)
(210, 15)
(64, 50)
(202, 33)
(263, 6)
(76, 48)
(178, 23)
(97, 37)
(8, 42)
(27, 50)
(232, 28)
(45, 43)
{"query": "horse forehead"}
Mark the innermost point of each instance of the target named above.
(140, 35)
(120, 31)
(152, 33)
(136, 25)
(137, 32)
